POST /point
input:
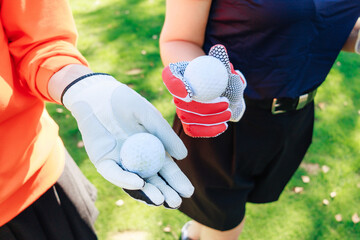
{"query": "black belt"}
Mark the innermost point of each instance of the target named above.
(282, 105)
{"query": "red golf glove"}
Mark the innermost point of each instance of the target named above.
(206, 119)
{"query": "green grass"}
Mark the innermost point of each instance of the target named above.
(117, 36)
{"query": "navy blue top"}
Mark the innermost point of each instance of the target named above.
(283, 47)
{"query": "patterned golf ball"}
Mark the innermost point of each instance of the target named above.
(207, 77)
(143, 154)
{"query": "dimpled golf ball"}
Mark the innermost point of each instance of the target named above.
(143, 154)
(207, 77)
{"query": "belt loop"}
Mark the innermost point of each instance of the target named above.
(303, 99)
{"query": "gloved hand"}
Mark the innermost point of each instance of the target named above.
(107, 113)
(206, 119)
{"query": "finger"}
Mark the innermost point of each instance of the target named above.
(149, 195)
(139, 196)
(175, 178)
(219, 105)
(135, 114)
(242, 77)
(175, 85)
(193, 118)
(112, 172)
(205, 131)
(219, 51)
(172, 198)
(235, 89)
(153, 193)
(154, 123)
(238, 111)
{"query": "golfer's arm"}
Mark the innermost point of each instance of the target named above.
(349, 45)
(62, 78)
(183, 32)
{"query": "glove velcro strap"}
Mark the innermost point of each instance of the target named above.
(77, 80)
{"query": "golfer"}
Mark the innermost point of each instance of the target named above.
(280, 53)
(43, 194)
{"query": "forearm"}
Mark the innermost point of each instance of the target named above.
(182, 36)
(42, 38)
(353, 39)
(176, 51)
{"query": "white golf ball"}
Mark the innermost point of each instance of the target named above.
(143, 154)
(207, 77)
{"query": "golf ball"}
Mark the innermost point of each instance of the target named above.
(143, 154)
(207, 77)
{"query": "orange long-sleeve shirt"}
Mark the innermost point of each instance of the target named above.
(37, 38)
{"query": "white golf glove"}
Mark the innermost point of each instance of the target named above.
(107, 113)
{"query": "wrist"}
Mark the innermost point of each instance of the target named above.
(90, 79)
(93, 88)
(61, 79)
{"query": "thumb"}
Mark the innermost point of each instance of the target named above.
(135, 114)
(172, 76)
(154, 123)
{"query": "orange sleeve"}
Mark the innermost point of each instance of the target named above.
(42, 40)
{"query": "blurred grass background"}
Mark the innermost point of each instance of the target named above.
(121, 38)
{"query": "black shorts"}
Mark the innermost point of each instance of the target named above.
(65, 212)
(252, 161)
